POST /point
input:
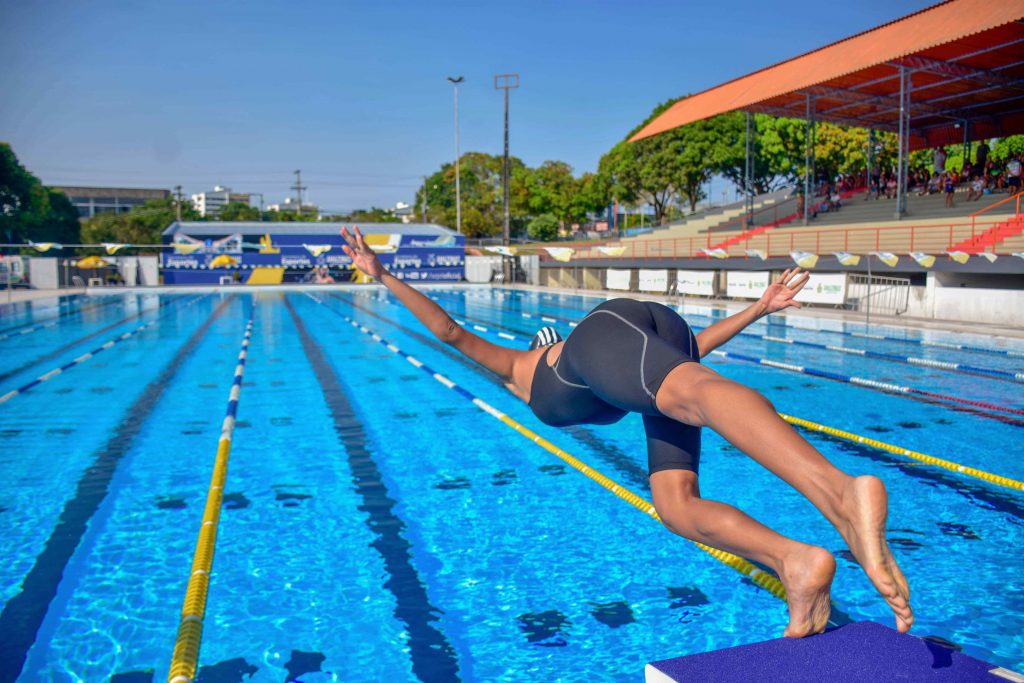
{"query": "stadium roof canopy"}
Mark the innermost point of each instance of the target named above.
(964, 58)
(216, 228)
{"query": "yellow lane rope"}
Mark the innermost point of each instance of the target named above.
(190, 629)
(899, 450)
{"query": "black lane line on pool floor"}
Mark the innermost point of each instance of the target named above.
(606, 452)
(433, 657)
(24, 613)
(977, 494)
(62, 314)
(81, 340)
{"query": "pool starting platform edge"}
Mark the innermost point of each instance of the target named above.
(863, 651)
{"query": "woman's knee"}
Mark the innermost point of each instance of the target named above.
(675, 492)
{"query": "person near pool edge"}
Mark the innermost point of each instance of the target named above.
(632, 356)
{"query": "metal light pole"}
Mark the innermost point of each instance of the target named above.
(506, 82)
(455, 80)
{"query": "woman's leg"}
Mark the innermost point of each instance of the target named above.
(805, 570)
(856, 506)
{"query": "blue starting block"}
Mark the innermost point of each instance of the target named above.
(863, 651)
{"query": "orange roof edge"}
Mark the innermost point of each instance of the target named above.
(911, 34)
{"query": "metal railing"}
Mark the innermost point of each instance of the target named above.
(780, 242)
(878, 294)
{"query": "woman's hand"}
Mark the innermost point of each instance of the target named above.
(780, 293)
(364, 258)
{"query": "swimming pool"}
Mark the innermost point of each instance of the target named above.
(380, 526)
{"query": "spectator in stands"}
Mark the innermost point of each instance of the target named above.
(981, 158)
(967, 172)
(923, 177)
(1013, 174)
(949, 185)
(977, 188)
(939, 160)
(890, 186)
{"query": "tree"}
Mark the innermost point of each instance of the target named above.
(543, 228)
(373, 215)
(142, 225)
(238, 211)
(30, 211)
(662, 169)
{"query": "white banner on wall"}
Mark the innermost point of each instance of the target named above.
(746, 285)
(617, 279)
(653, 281)
(700, 282)
(824, 288)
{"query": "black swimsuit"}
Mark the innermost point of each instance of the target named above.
(613, 363)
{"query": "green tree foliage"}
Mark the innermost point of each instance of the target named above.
(30, 211)
(373, 215)
(290, 216)
(238, 211)
(142, 225)
(482, 198)
(543, 228)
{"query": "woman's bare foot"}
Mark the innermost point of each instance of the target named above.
(807, 575)
(865, 507)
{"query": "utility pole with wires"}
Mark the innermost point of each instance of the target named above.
(506, 82)
(423, 200)
(177, 202)
(298, 187)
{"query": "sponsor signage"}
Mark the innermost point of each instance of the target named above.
(653, 281)
(824, 288)
(746, 285)
(617, 279)
(700, 282)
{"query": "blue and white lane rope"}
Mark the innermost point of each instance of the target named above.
(46, 376)
(757, 575)
(27, 330)
(861, 335)
(912, 360)
(887, 387)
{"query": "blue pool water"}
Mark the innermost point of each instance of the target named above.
(378, 526)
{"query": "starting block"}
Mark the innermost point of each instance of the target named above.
(863, 651)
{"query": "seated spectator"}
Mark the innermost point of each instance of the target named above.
(1013, 175)
(323, 276)
(949, 185)
(933, 183)
(890, 187)
(968, 171)
(977, 188)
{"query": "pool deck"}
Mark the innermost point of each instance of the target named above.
(1009, 331)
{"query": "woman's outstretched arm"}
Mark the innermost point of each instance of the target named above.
(498, 359)
(778, 296)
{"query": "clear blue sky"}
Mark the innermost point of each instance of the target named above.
(153, 94)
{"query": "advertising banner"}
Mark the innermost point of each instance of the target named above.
(653, 281)
(746, 285)
(701, 282)
(617, 279)
(824, 288)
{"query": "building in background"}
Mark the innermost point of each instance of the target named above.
(403, 211)
(93, 200)
(289, 204)
(209, 204)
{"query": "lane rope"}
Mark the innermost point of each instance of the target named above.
(877, 385)
(861, 335)
(185, 659)
(910, 360)
(46, 376)
(898, 450)
(764, 579)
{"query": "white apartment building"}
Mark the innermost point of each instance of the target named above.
(289, 204)
(210, 203)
